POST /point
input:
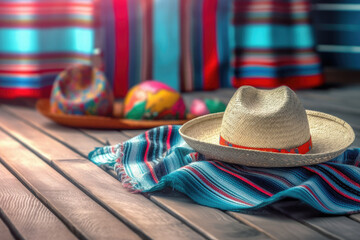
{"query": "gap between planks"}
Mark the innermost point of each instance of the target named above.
(27, 217)
(237, 229)
(5, 232)
(66, 201)
(135, 210)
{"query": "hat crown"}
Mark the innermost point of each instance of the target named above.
(258, 118)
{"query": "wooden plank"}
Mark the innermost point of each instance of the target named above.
(334, 95)
(355, 216)
(337, 227)
(349, 114)
(104, 137)
(277, 226)
(64, 134)
(211, 229)
(5, 233)
(80, 213)
(212, 223)
(47, 144)
(133, 209)
(26, 214)
(346, 99)
(133, 133)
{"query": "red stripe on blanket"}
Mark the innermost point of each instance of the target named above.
(122, 47)
(331, 185)
(314, 195)
(296, 82)
(42, 92)
(210, 55)
(341, 174)
(215, 188)
(168, 145)
(247, 181)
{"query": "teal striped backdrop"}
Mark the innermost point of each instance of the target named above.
(337, 29)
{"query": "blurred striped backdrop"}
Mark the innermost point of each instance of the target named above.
(183, 43)
(38, 39)
(337, 30)
(187, 44)
(274, 44)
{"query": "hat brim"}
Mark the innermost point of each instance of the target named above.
(99, 122)
(330, 137)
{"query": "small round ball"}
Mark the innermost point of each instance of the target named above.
(154, 100)
(198, 107)
(202, 107)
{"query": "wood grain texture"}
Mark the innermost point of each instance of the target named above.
(133, 133)
(338, 227)
(30, 218)
(80, 213)
(106, 137)
(63, 134)
(134, 209)
(277, 226)
(212, 223)
(68, 167)
(355, 217)
(44, 143)
(5, 233)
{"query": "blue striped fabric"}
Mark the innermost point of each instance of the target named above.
(160, 158)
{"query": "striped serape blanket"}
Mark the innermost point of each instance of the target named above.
(160, 158)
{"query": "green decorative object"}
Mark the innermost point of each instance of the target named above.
(215, 105)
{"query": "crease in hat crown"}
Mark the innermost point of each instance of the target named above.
(271, 119)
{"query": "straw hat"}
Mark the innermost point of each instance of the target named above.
(268, 128)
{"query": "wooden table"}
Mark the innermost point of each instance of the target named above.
(49, 190)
